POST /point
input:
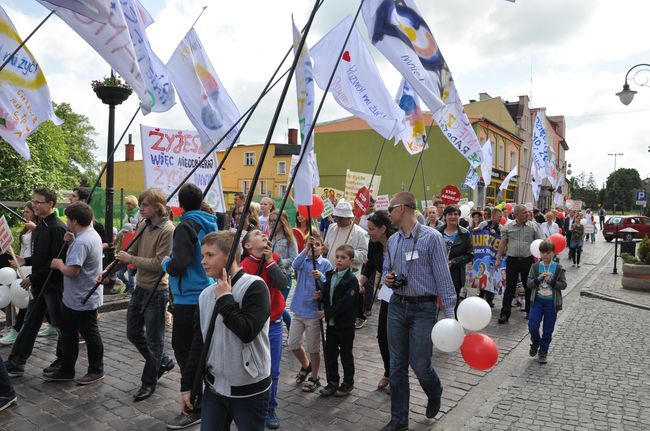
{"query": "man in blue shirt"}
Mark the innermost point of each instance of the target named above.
(417, 270)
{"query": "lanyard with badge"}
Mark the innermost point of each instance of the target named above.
(544, 287)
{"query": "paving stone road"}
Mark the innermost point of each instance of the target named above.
(108, 405)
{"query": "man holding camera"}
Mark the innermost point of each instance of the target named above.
(417, 270)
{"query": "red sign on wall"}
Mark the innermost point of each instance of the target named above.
(361, 202)
(450, 195)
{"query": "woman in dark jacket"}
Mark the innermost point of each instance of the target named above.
(459, 247)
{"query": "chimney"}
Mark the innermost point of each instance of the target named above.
(129, 149)
(293, 136)
(484, 96)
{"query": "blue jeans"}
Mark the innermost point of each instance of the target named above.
(146, 331)
(128, 279)
(218, 412)
(275, 340)
(6, 388)
(409, 343)
(542, 309)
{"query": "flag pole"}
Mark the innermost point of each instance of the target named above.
(197, 18)
(25, 41)
(424, 185)
(198, 378)
(313, 124)
(374, 171)
(13, 213)
(421, 153)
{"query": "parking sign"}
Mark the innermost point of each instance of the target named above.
(641, 198)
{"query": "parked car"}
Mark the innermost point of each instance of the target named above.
(640, 223)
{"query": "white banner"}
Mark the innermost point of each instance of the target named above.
(400, 33)
(204, 98)
(97, 10)
(486, 163)
(355, 180)
(415, 133)
(506, 180)
(304, 182)
(357, 85)
(154, 72)
(168, 156)
(540, 149)
(24, 96)
(471, 179)
(113, 42)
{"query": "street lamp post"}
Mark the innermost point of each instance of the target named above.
(626, 95)
(614, 178)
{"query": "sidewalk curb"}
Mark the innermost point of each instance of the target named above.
(590, 294)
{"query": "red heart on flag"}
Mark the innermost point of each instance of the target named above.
(346, 56)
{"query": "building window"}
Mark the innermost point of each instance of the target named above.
(244, 186)
(501, 156)
(249, 158)
(282, 168)
(263, 187)
(513, 160)
(494, 154)
(524, 160)
(282, 189)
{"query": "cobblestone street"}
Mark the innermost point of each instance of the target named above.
(595, 378)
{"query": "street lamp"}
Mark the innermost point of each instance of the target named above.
(626, 95)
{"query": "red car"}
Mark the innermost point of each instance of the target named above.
(640, 223)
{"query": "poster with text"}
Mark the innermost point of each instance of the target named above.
(355, 180)
(169, 155)
(484, 275)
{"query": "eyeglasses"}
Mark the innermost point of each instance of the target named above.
(38, 202)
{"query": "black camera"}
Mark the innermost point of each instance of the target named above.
(400, 281)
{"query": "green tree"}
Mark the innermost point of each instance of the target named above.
(62, 157)
(621, 187)
(584, 188)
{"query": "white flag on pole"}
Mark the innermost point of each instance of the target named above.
(471, 179)
(540, 149)
(113, 42)
(415, 134)
(24, 96)
(399, 32)
(97, 10)
(357, 85)
(205, 101)
(161, 95)
(486, 163)
(506, 181)
(304, 182)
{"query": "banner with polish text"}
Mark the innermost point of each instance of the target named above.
(168, 156)
(484, 275)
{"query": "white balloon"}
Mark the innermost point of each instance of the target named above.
(26, 270)
(447, 335)
(474, 313)
(5, 296)
(464, 210)
(7, 276)
(17, 292)
(470, 204)
(22, 302)
(534, 248)
(583, 222)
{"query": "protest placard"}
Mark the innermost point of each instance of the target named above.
(484, 275)
(355, 180)
(382, 202)
(6, 238)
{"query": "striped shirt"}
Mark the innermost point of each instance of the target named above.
(519, 237)
(427, 271)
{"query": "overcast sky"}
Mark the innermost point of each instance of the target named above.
(577, 53)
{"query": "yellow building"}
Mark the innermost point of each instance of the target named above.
(236, 173)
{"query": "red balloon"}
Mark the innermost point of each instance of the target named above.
(315, 209)
(503, 220)
(509, 207)
(479, 351)
(559, 241)
(560, 215)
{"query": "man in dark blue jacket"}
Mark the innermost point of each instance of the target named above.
(187, 280)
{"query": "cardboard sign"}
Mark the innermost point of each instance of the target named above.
(6, 238)
(450, 195)
(328, 208)
(382, 203)
(355, 180)
(361, 201)
(329, 193)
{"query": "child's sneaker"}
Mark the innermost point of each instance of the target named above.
(533, 350)
(542, 357)
(328, 390)
(344, 390)
(311, 385)
(10, 338)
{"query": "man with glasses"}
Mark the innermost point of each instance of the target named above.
(416, 269)
(47, 242)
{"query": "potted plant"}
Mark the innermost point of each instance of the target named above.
(636, 271)
(111, 90)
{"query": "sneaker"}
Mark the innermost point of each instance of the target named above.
(166, 367)
(573, 265)
(7, 401)
(10, 338)
(272, 421)
(15, 370)
(54, 366)
(89, 378)
(542, 357)
(311, 385)
(328, 390)
(344, 390)
(359, 323)
(58, 376)
(433, 407)
(503, 319)
(533, 350)
(383, 383)
(184, 421)
(47, 331)
(578, 265)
